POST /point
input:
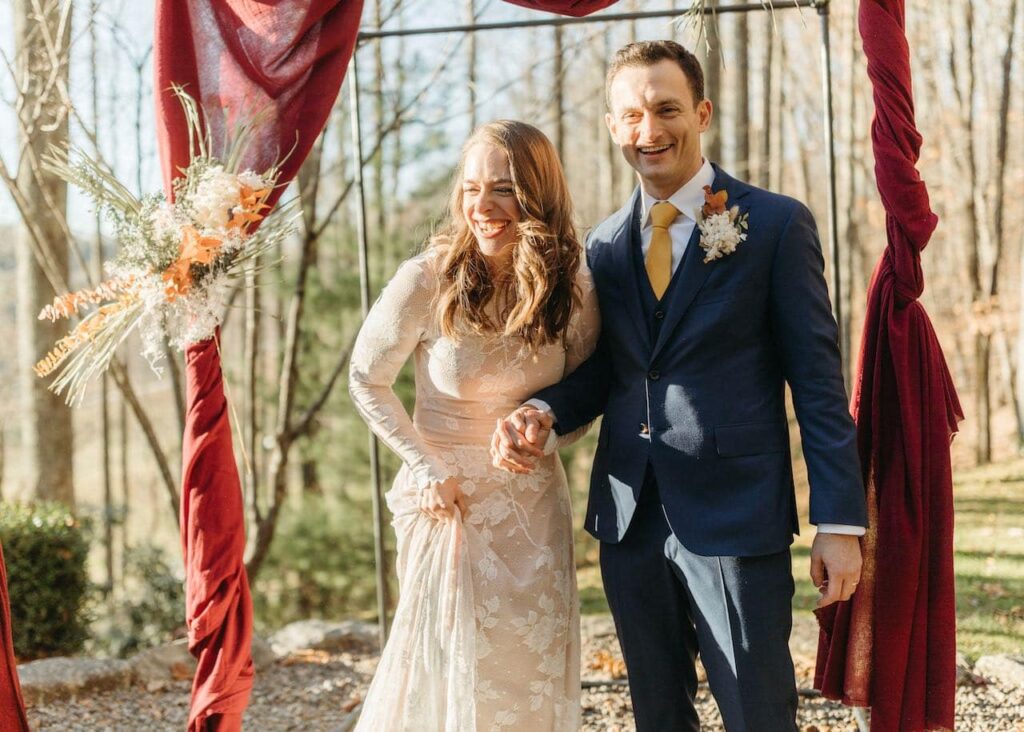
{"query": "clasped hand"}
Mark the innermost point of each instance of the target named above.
(438, 500)
(519, 439)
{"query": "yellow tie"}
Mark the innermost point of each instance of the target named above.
(659, 256)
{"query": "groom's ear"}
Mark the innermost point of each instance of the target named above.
(609, 121)
(705, 111)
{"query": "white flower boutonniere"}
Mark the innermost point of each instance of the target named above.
(721, 229)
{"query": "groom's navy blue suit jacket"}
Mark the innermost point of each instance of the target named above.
(694, 385)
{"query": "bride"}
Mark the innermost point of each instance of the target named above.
(486, 632)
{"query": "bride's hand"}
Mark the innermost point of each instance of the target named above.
(439, 499)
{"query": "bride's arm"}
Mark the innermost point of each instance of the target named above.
(395, 325)
(581, 340)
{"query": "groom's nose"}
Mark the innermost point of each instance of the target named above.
(648, 126)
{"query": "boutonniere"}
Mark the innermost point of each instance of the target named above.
(721, 229)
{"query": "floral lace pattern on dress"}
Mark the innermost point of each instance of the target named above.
(486, 632)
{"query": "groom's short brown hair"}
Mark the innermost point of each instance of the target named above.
(648, 53)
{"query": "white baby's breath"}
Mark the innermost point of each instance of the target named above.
(721, 233)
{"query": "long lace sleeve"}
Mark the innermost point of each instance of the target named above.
(581, 339)
(396, 324)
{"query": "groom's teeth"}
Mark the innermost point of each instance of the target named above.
(654, 149)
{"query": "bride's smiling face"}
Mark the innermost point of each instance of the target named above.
(489, 202)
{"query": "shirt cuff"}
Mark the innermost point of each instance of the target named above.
(841, 529)
(540, 405)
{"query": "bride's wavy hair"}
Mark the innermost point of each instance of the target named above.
(536, 302)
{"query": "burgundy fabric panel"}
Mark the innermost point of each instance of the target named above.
(218, 604)
(12, 706)
(282, 60)
(575, 8)
(893, 646)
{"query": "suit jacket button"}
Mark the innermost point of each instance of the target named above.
(653, 375)
(659, 314)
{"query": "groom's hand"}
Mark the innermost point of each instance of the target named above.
(835, 566)
(520, 437)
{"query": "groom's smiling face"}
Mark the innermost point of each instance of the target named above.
(657, 123)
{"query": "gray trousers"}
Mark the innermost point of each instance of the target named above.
(670, 605)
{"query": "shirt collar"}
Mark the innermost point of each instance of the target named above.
(687, 199)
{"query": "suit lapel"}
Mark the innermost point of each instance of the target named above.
(694, 272)
(622, 251)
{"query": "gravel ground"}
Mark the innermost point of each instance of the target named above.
(316, 690)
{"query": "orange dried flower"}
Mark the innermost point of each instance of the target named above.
(253, 200)
(81, 334)
(196, 248)
(68, 304)
(714, 203)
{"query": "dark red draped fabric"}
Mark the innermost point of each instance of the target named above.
(576, 8)
(218, 607)
(283, 60)
(12, 706)
(893, 646)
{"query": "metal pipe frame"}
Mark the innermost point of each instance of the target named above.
(821, 6)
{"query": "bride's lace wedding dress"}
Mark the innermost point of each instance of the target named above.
(486, 632)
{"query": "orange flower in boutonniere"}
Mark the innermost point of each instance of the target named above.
(721, 228)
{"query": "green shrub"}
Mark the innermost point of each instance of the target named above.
(151, 612)
(45, 549)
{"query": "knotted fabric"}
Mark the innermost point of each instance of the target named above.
(893, 646)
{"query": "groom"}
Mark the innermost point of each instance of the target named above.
(692, 493)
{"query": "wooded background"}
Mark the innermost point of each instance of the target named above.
(81, 71)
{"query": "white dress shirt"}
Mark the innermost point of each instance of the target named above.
(688, 200)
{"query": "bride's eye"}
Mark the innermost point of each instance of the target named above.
(504, 191)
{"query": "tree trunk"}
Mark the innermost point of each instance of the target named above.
(46, 427)
(104, 410)
(558, 93)
(999, 233)
(982, 398)
(741, 111)
(765, 166)
(712, 141)
(471, 65)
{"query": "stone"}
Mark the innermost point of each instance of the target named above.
(262, 653)
(1004, 670)
(60, 678)
(323, 635)
(163, 664)
(965, 676)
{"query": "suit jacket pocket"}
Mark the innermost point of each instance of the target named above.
(750, 438)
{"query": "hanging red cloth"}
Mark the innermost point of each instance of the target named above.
(893, 646)
(284, 61)
(576, 8)
(12, 706)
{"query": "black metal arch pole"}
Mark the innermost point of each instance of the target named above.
(821, 6)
